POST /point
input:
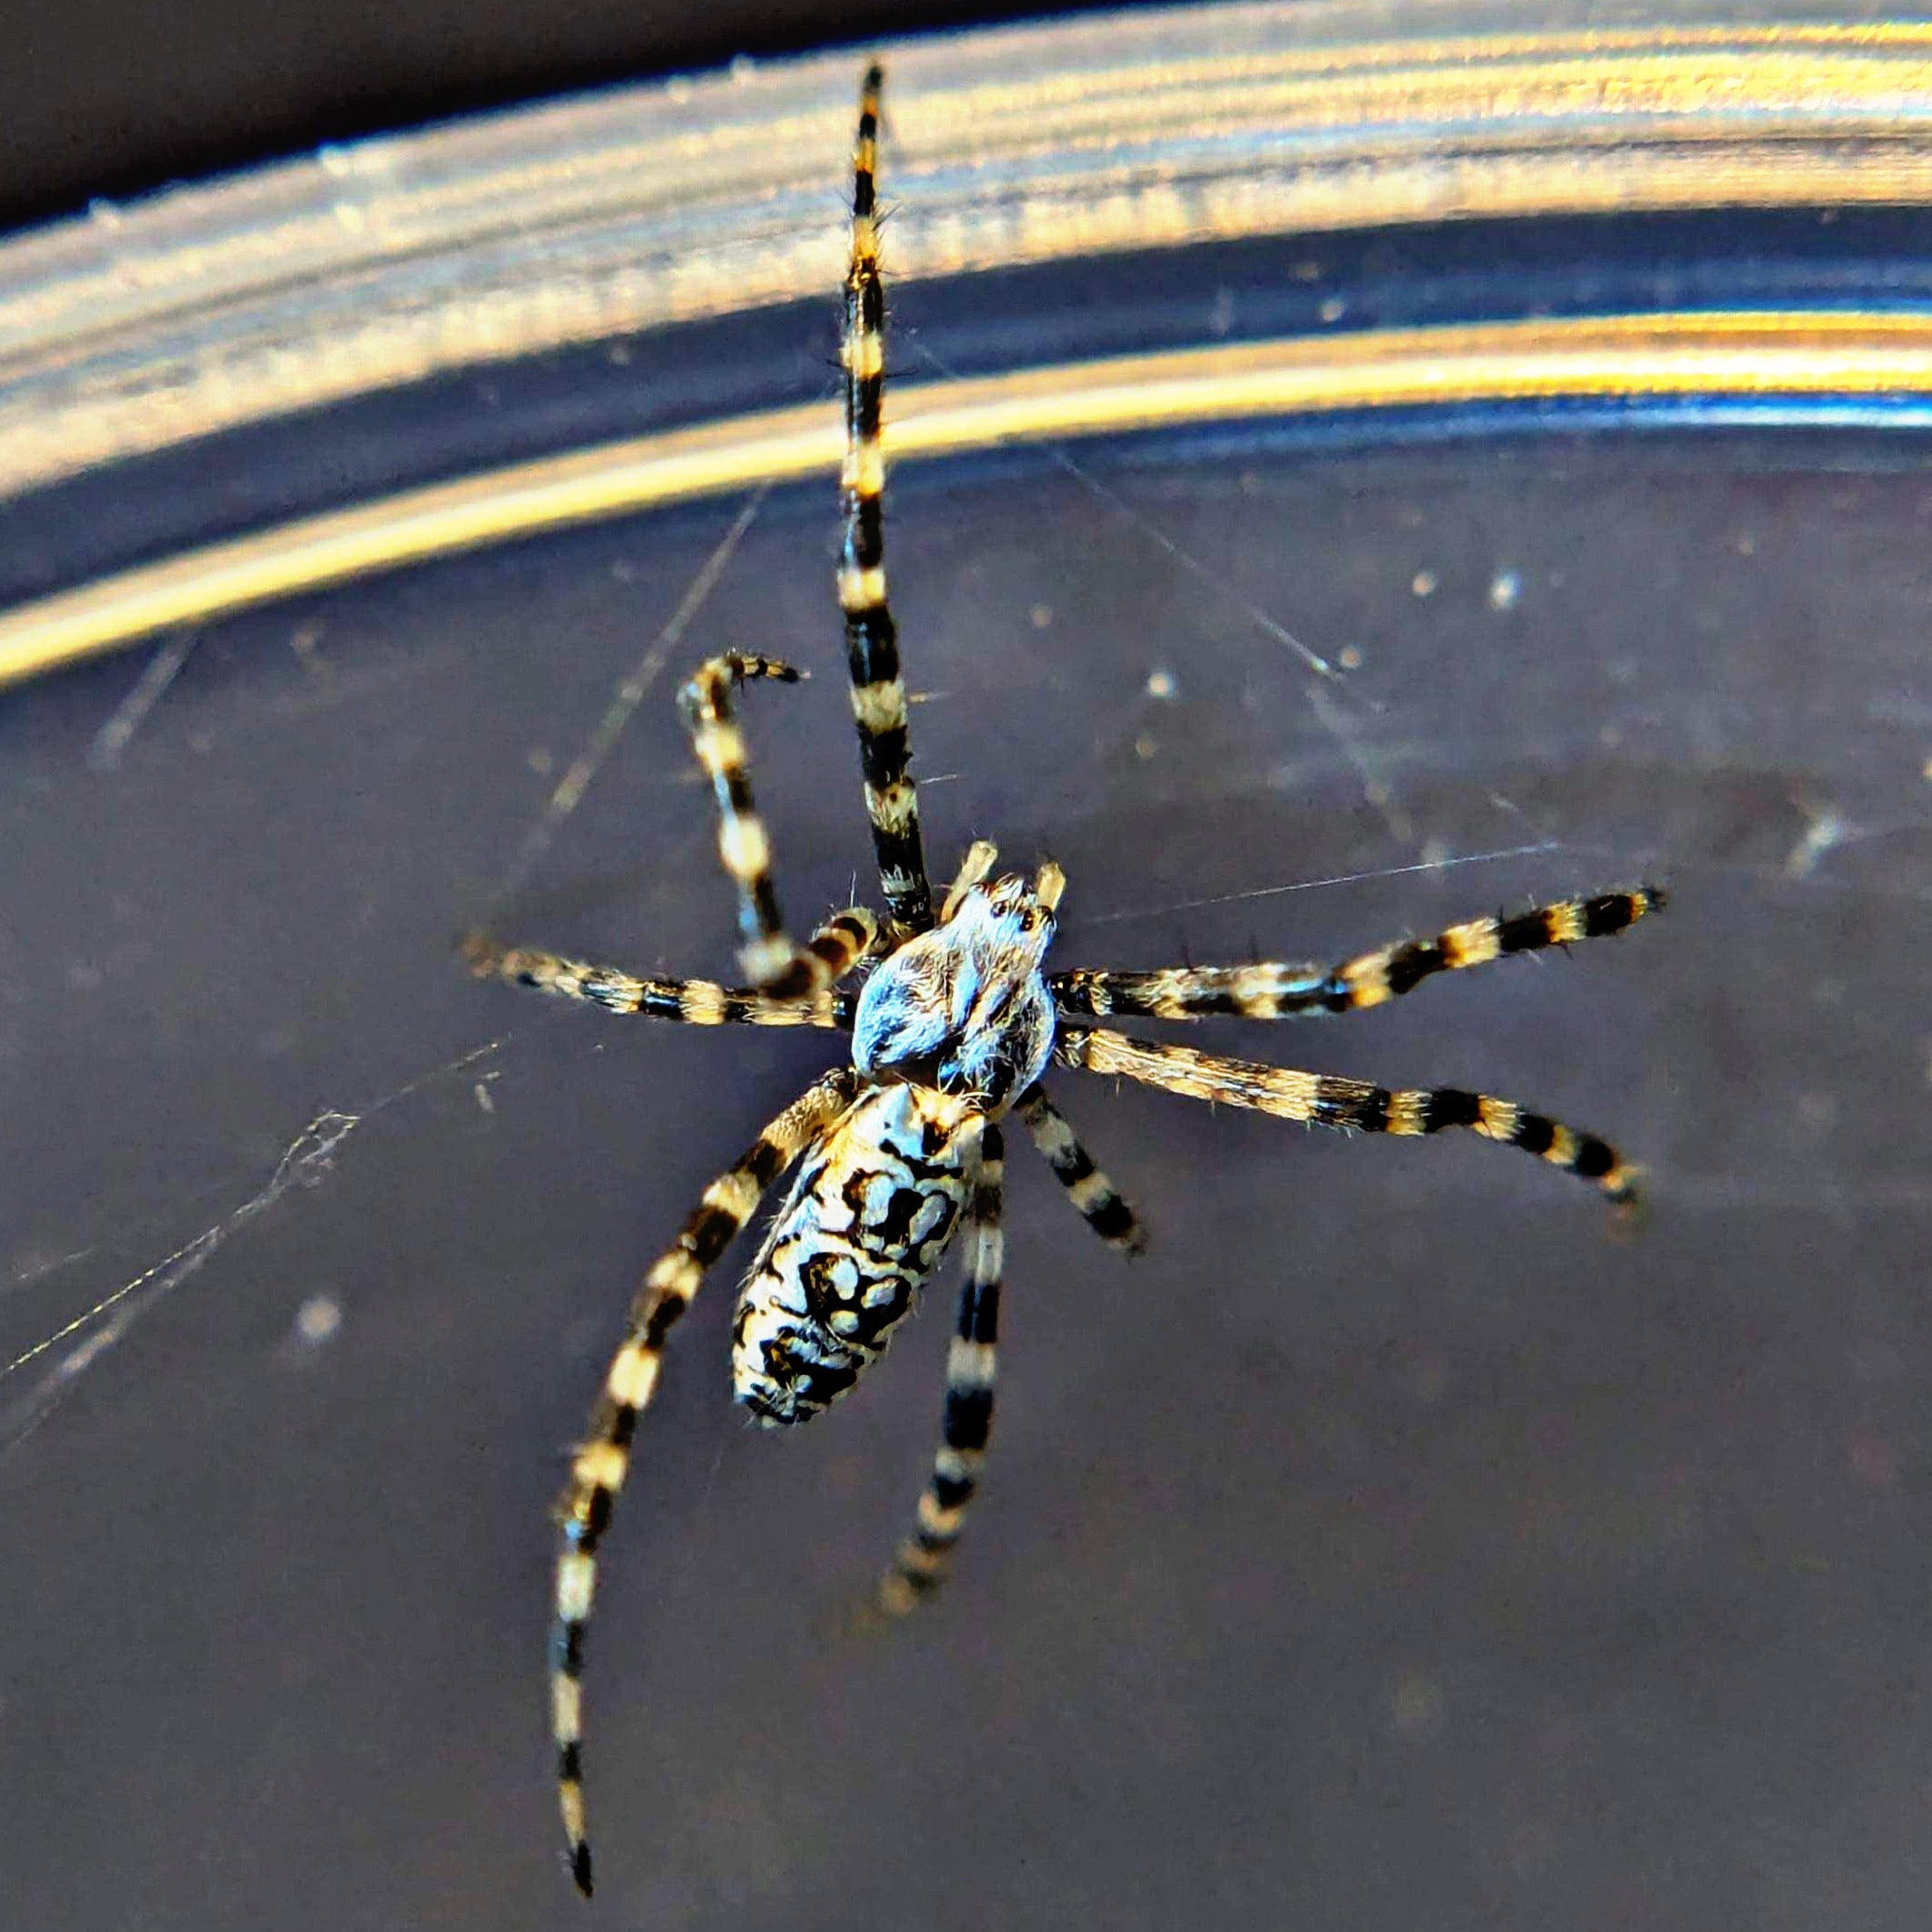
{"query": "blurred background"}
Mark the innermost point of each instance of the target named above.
(110, 98)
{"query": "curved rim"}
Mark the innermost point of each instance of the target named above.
(129, 331)
(1813, 360)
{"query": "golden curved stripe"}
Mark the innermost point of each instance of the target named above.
(1605, 358)
(404, 259)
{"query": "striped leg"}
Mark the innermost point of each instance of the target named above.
(772, 960)
(1086, 1187)
(837, 945)
(920, 1564)
(598, 1468)
(1275, 990)
(872, 641)
(1321, 1100)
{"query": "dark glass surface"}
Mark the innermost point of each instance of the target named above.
(1391, 1547)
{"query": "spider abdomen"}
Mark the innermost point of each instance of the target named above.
(873, 1209)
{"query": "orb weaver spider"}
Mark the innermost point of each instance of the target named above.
(899, 1153)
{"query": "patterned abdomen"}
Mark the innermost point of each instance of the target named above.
(873, 1208)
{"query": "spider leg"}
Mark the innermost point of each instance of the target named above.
(1279, 989)
(838, 945)
(598, 1468)
(772, 960)
(1322, 1100)
(1086, 1187)
(871, 640)
(920, 1564)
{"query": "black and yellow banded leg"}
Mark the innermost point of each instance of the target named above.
(598, 1468)
(1320, 1099)
(1280, 989)
(772, 961)
(1087, 1186)
(838, 945)
(920, 1564)
(871, 640)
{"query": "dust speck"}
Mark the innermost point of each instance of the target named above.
(1505, 588)
(1415, 1707)
(317, 1320)
(1826, 830)
(1423, 583)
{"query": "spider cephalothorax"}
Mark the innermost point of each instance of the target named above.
(900, 1151)
(965, 1008)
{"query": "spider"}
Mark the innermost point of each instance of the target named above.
(900, 1154)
